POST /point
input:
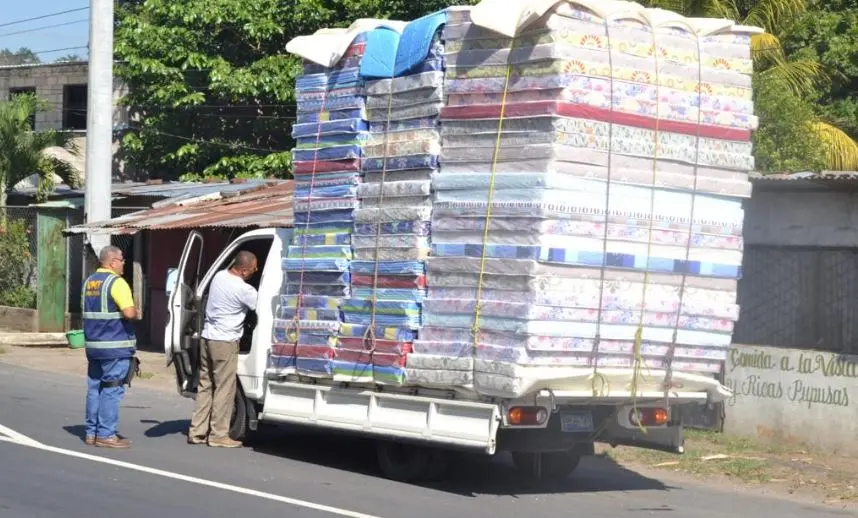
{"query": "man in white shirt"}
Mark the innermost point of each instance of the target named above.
(230, 298)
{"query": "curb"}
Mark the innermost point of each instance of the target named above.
(34, 339)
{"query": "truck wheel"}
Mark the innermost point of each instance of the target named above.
(238, 423)
(546, 465)
(439, 465)
(403, 462)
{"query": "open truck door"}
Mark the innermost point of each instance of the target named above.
(182, 340)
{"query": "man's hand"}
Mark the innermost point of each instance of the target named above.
(130, 313)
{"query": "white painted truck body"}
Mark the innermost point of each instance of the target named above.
(454, 418)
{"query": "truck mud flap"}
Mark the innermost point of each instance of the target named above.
(667, 439)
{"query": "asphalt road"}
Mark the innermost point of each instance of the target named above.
(289, 474)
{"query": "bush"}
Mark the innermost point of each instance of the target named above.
(20, 297)
(17, 265)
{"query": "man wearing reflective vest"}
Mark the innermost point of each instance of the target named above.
(108, 309)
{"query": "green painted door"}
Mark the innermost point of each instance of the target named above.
(52, 270)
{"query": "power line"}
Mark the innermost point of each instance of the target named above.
(43, 27)
(42, 17)
(60, 50)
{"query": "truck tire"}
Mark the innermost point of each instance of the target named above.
(555, 464)
(238, 424)
(404, 462)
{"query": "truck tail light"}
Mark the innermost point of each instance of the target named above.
(527, 416)
(649, 417)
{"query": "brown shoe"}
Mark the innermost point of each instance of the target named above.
(195, 440)
(89, 441)
(225, 442)
(113, 442)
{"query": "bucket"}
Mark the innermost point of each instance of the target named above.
(75, 339)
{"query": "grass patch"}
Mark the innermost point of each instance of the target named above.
(145, 375)
(710, 454)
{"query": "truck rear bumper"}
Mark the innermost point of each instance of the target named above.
(607, 429)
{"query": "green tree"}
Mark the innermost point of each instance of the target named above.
(21, 150)
(70, 58)
(210, 84)
(828, 33)
(22, 56)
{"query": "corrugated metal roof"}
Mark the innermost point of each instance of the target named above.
(262, 206)
(188, 189)
(160, 190)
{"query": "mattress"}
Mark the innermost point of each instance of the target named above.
(405, 99)
(642, 119)
(328, 128)
(420, 81)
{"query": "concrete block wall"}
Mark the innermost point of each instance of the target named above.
(49, 81)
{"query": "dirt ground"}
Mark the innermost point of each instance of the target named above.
(743, 464)
(153, 371)
(750, 465)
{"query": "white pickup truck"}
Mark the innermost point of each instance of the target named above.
(547, 432)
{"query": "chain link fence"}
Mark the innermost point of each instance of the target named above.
(799, 297)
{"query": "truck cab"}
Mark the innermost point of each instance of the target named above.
(186, 315)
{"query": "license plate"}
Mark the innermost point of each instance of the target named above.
(580, 421)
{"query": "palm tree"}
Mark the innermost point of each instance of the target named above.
(22, 151)
(800, 76)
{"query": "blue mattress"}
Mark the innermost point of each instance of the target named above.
(330, 115)
(340, 139)
(336, 79)
(329, 153)
(389, 267)
(324, 217)
(395, 334)
(315, 265)
(320, 278)
(382, 320)
(316, 290)
(282, 335)
(311, 302)
(333, 191)
(322, 239)
(281, 362)
(312, 366)
(415, 295)
(371, 165)
(309, 314)
(333, 127)
(326, 228)
(332, 104)
(320, 252)
(327, 179)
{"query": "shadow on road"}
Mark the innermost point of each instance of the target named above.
(165, 428)
(77, 430)
(470, 474)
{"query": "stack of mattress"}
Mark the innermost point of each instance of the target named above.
(391, 238)
(330, 132)
(587, 189)
(585, 202)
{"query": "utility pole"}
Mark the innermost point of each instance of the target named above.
(99, 120)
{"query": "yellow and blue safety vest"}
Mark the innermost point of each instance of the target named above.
(108, 335)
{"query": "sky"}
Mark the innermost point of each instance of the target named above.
(75, 34)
